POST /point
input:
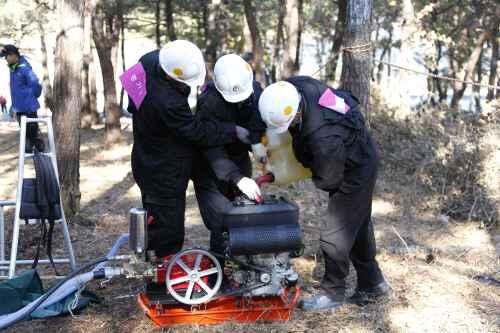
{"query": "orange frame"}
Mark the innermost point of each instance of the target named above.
(224, 309)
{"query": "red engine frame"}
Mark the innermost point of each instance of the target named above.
(224, 309)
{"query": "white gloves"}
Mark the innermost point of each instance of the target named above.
(243, 134)
(250, 188)
(260, 153)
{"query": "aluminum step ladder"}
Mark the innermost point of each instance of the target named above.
(14, 261)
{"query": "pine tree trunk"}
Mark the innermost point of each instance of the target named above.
(356, 63)
(494, 58)
(157, 23)
(442, 87)
(257, 49)
(210, 16)
(68, 91)
(106, 41)
(278, 43)
(87, 117)
(300, 10)
(459, 87)
(408, 26)
(291, 28)
(477, 89)
(122, 57)
(338, 36)
(47, 87)
(93, 88)
(111, 108)
(169, 20)
(247, 37)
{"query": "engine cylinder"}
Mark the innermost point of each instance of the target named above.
(138, 237)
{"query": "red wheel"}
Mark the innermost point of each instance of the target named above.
(198, 265)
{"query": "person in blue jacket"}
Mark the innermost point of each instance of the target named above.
(24, 91)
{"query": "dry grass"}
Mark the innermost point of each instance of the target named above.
(432, 272)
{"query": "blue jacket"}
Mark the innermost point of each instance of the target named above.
(24, 87)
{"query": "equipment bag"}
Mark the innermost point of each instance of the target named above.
(41, 200)
(27, 287)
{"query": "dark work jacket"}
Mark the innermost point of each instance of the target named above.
(225, 160)
(166, 133)
(336, 147)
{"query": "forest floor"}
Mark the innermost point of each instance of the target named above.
(441, 273)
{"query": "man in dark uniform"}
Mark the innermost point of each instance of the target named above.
(166, 134)
(330, 138)
(232, 97)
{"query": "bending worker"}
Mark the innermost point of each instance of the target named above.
(222, 171)
(166, 134)
(330, 138)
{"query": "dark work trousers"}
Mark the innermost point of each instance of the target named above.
(214, 196)
(166, 232)
(32, 131)
(4, 108)
(348, 236)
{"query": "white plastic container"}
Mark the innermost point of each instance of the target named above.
(281, 159)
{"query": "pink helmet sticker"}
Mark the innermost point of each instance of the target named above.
(333, 102)
(134, 82)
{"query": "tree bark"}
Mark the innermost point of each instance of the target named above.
(68, 90)
(375, 44)
(477, 89)
(89, 114)
(380, 66)
(106, 32)
(43, 9)
(442, 87)
(47, 87)
(356, 62)
(494, 61)
(278, 43)
(211, 40)
(122, 54)
(459, 87)
(93, 87)
(157, 23)
(300, 12)
(291, 28)
(257, 49)
(338, 36)
(169, 20)
(407, 26)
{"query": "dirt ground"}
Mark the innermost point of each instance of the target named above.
(438, 266)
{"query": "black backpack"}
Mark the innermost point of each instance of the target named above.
(41, 200)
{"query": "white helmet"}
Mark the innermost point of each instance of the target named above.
(183, 61)
(233, 78)
(278, 105)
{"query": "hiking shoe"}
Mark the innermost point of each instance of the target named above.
(370, 295)
(324, 300)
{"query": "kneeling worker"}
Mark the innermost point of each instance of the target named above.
(330, 138)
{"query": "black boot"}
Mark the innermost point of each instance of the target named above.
(370, 295)
(324, 300)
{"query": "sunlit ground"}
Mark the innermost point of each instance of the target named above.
(433, 272)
